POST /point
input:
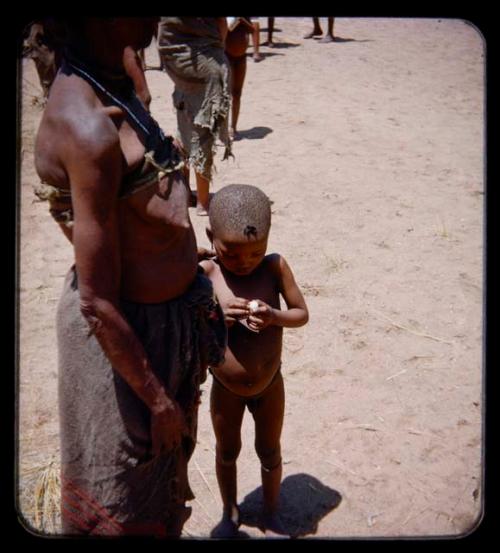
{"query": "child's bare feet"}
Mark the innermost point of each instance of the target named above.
(257, 58)
(268, 43)
(228, 525)
(273, 526)
(225, 529)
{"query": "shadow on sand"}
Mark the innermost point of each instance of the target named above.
(255, 133)
(278, 45)
(265, 55)
(304, 501)
(338, 39)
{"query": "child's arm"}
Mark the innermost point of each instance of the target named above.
(296, 314)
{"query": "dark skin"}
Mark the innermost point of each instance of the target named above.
(141, 248)
(134, 67)
(270, 29)
(242, 272)
(235, 47)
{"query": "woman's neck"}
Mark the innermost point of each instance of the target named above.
(107, 65)
(98, 47)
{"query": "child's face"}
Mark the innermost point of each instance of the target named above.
(240, 256)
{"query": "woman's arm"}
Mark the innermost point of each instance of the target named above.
(94, 167)
(133, 67)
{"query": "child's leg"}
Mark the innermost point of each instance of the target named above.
(226, 410)
(268, 416)
(238, 72)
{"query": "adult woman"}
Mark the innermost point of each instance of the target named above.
(136, 323)
(192, 53)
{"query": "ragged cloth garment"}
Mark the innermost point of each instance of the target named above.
(192, 53)
(111, 482)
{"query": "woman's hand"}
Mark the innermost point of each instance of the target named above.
(261, 316)
(168, 425)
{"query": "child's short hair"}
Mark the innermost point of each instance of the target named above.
(240, 209)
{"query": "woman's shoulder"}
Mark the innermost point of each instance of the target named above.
(71, 136)
(76, 116)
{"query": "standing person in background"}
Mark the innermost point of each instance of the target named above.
(318, 31)
(137, 324)
(236, 51)
(255, 39)
(252, 27)
(270, 29)
(40, 47)
(142, 55)
(192, 53)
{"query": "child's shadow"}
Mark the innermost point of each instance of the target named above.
(304, 501)
(253, 133)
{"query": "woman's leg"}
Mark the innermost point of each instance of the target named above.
(226, 410)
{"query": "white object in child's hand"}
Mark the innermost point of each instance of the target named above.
(253, 306)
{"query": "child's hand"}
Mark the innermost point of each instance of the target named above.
(261, 315)
(235, 309)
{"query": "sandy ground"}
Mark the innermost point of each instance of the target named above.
(372, 150)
